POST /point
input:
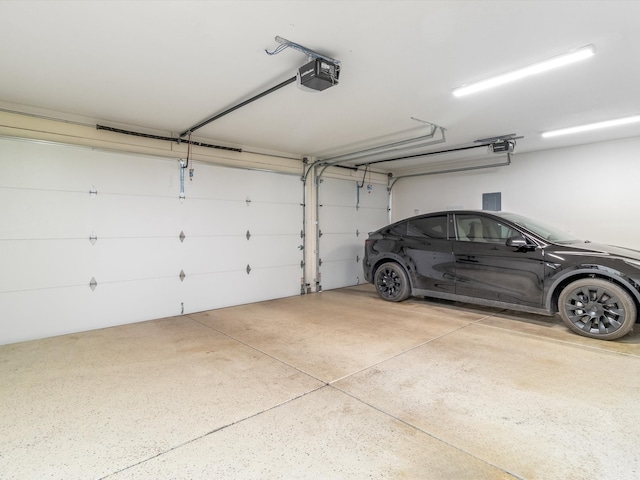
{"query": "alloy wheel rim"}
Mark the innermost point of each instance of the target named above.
(389, 283)
(595, 310)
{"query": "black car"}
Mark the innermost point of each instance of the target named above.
(506, 260)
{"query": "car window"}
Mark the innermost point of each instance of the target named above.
(432, 227)
(477, 228)
(398, 229)
(547, 232)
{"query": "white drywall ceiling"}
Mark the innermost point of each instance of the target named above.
(164, 66)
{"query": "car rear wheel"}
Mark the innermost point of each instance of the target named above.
(597, 308)
(392, 282)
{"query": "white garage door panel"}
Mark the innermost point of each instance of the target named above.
(125, 259)
(204, 255)
(50, 166)
(338, 219)
(43, 214)
(213, 217)
(214, 290)
(37, 264)
(337, 192)
(371, 219)
(274, 218)
(340, 274)
(373, 196)
(134, 216)
(219, 183)
(57, 311)
(211, 182)
(275, 282)
(274, 250)
(339, 247)
(272, 187)
(55, 214)
(137, 216)
(224, 289)
(138, 300)
(346, 217)
(52, 311)
(228, 254)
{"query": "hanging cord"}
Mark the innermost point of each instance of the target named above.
(188, 151)
(278, 49)
(189, 159)
(364, 176)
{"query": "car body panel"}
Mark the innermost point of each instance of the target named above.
(487, 271)
(498, 272)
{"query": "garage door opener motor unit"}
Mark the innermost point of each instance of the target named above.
(319, 74)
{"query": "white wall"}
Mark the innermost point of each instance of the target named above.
(47, 217)
(591, 190)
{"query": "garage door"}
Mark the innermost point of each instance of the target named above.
(348, 212)
(92, 239)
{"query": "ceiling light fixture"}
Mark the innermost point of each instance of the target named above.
(592, 126)
(543, 66)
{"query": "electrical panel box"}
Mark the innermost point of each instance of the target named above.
(319, 74)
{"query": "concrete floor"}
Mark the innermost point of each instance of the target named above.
(338, 385)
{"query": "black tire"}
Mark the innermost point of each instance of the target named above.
(597, 308)
(392, 282)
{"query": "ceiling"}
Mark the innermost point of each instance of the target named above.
(164, 66)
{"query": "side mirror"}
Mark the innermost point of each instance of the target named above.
(517, 241)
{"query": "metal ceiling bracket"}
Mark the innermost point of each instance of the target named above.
(248, 201)
(248, 235)
(248, 269)
(182, 275)
(284, 43)
(182, 237)
(93, 238)
(93, 284)
(93, 192)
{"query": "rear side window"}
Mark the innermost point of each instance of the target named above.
(478, 228)
(431, 227)
(398, 229)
